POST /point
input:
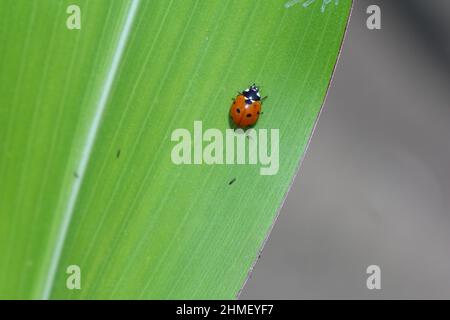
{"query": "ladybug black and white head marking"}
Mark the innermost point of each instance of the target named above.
(251, 94)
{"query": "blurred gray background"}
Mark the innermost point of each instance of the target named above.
(374, 187)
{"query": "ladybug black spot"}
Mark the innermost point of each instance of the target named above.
(258, 112)
(249, 115)
(238, 110)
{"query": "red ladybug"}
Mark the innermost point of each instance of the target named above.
(246, 107)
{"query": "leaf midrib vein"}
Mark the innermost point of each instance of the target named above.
(88, 147)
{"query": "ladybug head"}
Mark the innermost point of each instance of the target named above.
(251, 94)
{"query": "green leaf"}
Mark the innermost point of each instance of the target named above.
(86, 117)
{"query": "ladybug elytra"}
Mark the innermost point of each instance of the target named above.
(246, 107)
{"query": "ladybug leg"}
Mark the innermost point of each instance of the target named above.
(264, 98)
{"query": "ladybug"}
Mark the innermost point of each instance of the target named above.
(246, 107)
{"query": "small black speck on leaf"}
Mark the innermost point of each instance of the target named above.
(118, 154)
(232, 181)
